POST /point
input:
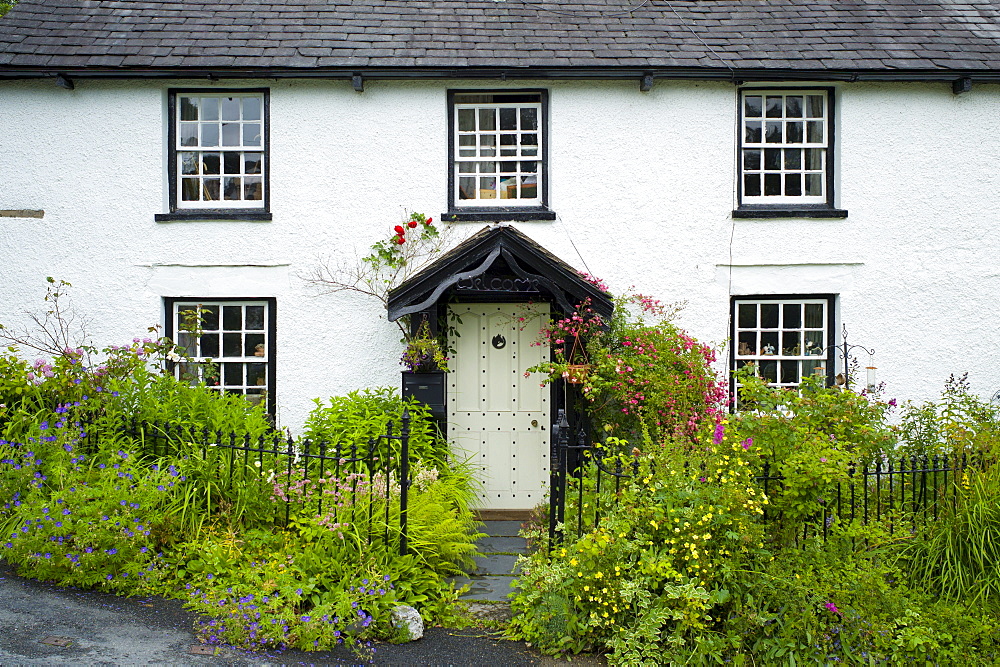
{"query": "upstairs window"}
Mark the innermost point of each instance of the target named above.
(784, 339)
(785, 142)
(218, 150)
(232, 341)
(498, 149)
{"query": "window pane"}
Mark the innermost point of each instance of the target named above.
(769, 316)
(529, 187)
(252, 162)
(209, 108)
(189, 108)
(813, 368)
(792, 315)
(768, 343)
(773, 133)
(253, 345)
(814, 343)
(232, 318)
(814, 131)
(251, 134)
(467, 167)
(209, 134)
(814, 106)
(467, 120)
(190, 187)
(189, 134)
(209, 345)
(487, 120)
(752, 106)
(790, 344)
(790, 372)
(508, 119)
(793, 106)
(751, 185)
(814, 158)
(255, 318)
(793, 133)
(746, 315)
(751, 159)
(210, 189)
(814, 185)
(230, 134)
(772, 159)
(253, 189)
(487, 167)
(814, 316)
(769, 371)
(230, 108)
(232, 375)
(772, 184)
(467, 188)
(773, 106)
(793, 185)
(210, 163)
(747, 343)
(251, 108)
(189, 163)
(529, 167)
(508, 167)
(487, 188)
(793, 158)
(752, 132)
(231, 162)
(231, 189)
(210, 318)
(257, 375)
(529, 118)
(232, 345)
(508, 188)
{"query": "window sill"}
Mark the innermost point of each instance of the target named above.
(245, 215)
(499, 214)
(764, 211)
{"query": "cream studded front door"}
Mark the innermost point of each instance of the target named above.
(498, 417)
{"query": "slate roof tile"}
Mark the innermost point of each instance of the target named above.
(758, 34)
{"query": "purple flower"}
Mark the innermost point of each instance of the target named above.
(747, 443)
(892, 402)
(720, 430)
(833, 608)
(822, 459)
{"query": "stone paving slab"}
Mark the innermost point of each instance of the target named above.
(517, 545)
(491, 587)
(501, 528)
(496, 564)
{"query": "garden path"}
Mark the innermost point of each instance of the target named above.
(495, 571)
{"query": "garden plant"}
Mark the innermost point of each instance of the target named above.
(108, 482)
(687, 559)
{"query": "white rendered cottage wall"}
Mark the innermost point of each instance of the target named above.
(643, 184)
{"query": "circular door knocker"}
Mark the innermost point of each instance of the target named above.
(499, 342)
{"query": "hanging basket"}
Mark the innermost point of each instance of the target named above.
(577, 373)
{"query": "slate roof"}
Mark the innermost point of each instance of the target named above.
(140, 37)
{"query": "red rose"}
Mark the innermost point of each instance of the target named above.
(400, 240)
(399, 229)
(411, 224)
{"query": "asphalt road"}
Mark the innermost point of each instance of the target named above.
(103, 629)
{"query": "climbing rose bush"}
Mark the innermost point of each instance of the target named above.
(647, 380)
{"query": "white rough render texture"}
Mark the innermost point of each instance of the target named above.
(643, 184)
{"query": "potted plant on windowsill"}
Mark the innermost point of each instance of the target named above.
(425, 370)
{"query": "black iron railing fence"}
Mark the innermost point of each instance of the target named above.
(361, 487)
(903, 493)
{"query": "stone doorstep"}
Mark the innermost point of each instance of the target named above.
(492, 588)
(496, 564)
(501, 528)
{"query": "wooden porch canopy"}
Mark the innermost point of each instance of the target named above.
(497, 263)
